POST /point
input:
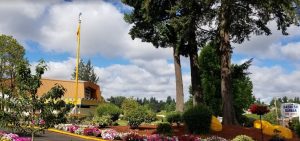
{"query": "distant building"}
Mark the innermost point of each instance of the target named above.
(89, 94)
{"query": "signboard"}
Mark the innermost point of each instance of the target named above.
(290, 110)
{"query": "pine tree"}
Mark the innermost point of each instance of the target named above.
(86, 72)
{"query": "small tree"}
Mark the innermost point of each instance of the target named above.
(26, 110)
(259, 110)
(86, 72)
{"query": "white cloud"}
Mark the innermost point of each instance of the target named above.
(53, 25)
(267, 47)
(273, 81)
(291, 51)
(136, 79)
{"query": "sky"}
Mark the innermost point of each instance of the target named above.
(126, 67)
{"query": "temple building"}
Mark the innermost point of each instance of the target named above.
(89, 94)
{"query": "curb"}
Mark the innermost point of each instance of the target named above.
(75, 135)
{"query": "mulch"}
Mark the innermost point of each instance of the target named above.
(228, 132)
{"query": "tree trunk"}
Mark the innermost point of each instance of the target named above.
(229, 117)
(179, 84)
(195, 68)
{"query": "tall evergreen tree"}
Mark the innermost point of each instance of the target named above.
(237, 20)
(86, 72)
(211, 82)
(151, 24)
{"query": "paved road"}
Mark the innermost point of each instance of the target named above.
(51, 136)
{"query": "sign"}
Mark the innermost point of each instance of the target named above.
(290, 110)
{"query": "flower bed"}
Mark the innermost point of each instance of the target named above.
(12, 137)
(111, 134)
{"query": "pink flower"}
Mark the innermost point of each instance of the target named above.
(42, 122)
(22, 139)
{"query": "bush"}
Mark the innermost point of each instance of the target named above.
(103, 121)
(242, 138)
(297, 130)
(293, 123)
(271, 117)
(129, 104)
(246, 121)
(108, 109)
(164, 128)
(174, 117)
(198, 119)
(136, 117)
(150, 116)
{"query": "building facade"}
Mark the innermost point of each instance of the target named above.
(89, 94)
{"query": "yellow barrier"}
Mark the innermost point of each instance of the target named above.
(75, 135)
(215, 124)
(264, 123)
(268, 129)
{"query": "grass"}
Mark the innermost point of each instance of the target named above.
(252, 116)
(122, 122)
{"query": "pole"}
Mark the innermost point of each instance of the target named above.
(77, 61)
(277, 119)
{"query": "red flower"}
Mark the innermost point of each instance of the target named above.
(259, 109)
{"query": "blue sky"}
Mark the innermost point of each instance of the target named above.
(129, 67)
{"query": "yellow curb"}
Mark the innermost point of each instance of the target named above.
(75, 135)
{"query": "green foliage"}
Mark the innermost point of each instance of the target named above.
(211, 82)
(246, 121)
(129, 104)
(242, 138)
(294, 122)
(174, 117)
(118, 100)
(11, 54)
(108, 109)
(27, 109)
(103, 121)
(297, 129)
(189, 103)
(271, 117)
(135, 117)
(198, 119)
(86, 72)
(164, 128)
(211, 78)
(150, 116)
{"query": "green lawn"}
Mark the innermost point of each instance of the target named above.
(122, 122)
(252, 116)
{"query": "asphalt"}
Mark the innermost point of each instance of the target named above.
(51, 136)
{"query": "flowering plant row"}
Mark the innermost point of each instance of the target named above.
(111, 134)
(12, 137)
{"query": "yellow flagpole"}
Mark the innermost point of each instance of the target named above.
(77, 60)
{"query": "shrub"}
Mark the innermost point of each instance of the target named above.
(109, 109)
(242, 138)
(136, 117)
(174, 117)
(164, 128)
(246, 121)
(129, 104)
(293, 123)
(103, 121)
(297, 129)
(271, 117)
(150, 116)
(198, 119)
